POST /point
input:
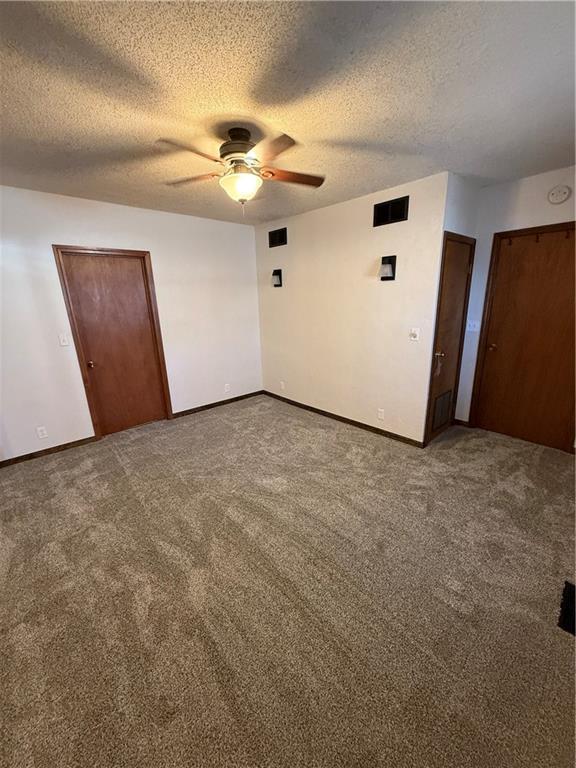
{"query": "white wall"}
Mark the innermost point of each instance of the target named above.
(205, 280)
(335, 334)
(462, 201)
(515, 205)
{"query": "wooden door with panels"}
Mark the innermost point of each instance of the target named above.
(453, 295)
(111, 304)
(524, 384)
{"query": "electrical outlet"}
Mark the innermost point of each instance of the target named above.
(42, 432)
(414, 334)
(473, 326)
(381, 414)
(226, 387)
(282, 385)
(63, 340)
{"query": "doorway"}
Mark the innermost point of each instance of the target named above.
(453, 295)
(524, 384)
(111, 305)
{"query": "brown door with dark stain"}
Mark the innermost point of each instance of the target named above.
(113, 317)
(525, 378)
(457, 262)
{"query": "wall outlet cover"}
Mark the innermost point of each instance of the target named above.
(226, 387)
(282, 385)
(473, 326)
(42, 432)
(414, 334)
(381, 414)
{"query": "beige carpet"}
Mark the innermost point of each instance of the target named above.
(256, 586)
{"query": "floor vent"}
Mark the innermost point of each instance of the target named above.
(567, 608)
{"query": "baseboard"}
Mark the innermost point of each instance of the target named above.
(345, 420)
(76, 443)
(46, 451)
(368, 427)
(216, 404)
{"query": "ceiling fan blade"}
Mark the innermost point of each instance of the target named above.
(269, 149)
(278, 174)
(190, 179)
(189, 148)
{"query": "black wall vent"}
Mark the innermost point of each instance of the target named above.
(391, 211)
(277, 237)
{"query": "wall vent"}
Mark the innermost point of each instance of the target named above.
(442, 410)
(391, 211)
(277, 237)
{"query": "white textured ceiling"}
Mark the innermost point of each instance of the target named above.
(375, 94)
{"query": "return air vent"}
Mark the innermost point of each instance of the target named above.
(391, 211)
(277, 237)
(442, 410)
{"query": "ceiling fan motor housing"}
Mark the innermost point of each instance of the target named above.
(238, 143)
(244, 171)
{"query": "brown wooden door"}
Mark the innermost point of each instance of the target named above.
(457, 262)
(525, 375)
(112, 310)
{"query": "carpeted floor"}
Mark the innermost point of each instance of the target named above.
(257, 586)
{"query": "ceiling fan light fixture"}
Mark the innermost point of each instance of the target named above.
(241, 183)
(243, 164)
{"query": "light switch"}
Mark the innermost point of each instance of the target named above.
(63, 339)
(414, 334)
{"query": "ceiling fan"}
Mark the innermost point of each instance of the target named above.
(245, 164)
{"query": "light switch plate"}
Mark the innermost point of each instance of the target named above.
(414, 334)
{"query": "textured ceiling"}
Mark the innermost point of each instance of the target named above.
(375, 94)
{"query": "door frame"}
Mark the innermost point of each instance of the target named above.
(146, 264)
(455, 237)
(488, 301)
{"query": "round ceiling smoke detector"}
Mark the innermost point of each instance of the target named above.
(559, 194)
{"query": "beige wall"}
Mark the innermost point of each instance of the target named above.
(205, 279)
(335, 334)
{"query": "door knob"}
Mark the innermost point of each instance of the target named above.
(90, 363)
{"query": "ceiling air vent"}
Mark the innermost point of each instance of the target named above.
(391, 211)
(277, 237)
